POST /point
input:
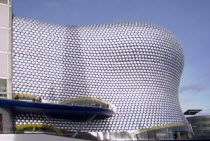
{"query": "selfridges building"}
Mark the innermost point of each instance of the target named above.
(133, 66)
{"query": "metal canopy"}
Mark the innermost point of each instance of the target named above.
(192, 111)
(56, 110)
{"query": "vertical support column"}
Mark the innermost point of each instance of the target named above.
(6, 49)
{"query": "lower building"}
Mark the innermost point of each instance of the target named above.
(200, 126)
(199, 122)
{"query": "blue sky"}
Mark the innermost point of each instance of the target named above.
(189, 20)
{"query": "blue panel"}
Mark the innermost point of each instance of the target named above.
(56, 109)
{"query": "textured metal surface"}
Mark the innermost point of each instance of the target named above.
(136, 66)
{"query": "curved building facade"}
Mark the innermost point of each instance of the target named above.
(135, 66)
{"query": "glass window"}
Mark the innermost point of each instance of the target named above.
(4, 14)
(3, 87)
(4, 39)
(4, 65)
(4, 1)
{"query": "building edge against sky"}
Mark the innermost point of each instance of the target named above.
(64, 31)
(5, 61)
(6, 48)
